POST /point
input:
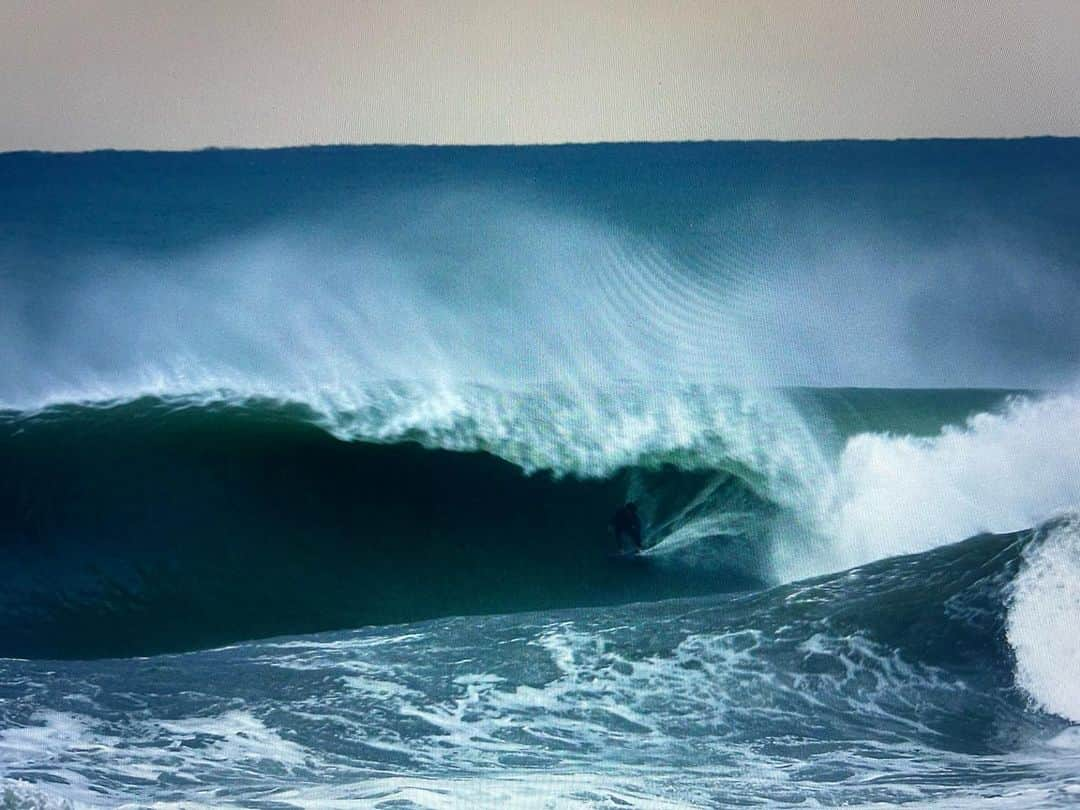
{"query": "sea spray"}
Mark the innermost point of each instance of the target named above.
(1003, 470)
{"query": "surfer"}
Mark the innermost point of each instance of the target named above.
(627, 527)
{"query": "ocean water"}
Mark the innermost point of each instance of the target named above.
(307, 459)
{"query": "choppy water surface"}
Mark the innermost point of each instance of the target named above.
(307, 459)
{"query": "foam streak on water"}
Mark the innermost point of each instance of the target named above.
(815, 693)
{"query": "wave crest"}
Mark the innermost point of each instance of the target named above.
(999, 472)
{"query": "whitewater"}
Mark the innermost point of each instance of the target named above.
(307, 459)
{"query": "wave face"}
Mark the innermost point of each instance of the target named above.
(157, 525)
(151, 526)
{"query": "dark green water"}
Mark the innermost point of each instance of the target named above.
(153, 526)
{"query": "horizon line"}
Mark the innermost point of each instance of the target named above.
(538, 144)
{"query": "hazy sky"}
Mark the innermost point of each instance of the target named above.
(161, 74)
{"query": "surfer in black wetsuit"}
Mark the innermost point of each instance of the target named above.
(627, 526)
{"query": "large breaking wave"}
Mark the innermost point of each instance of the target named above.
(259, 393)
(165, 524)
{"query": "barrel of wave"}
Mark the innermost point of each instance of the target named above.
(1043, 617)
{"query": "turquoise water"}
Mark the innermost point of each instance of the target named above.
(307, 459)
(156, 526)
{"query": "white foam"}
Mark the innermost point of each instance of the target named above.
(532, 791)
(239, 740)
(16, 794)
(233, 743)
(1044, 614)
(999, 472)
(52, 733)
